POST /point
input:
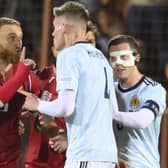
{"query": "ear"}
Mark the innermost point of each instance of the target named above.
(64, 28)
(138, 58)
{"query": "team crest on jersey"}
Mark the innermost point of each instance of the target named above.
(135, 102)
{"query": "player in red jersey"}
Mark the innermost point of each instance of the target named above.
(12, 76)
(39, 154)
(11, 38)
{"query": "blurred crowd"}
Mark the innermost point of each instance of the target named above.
(146, 20)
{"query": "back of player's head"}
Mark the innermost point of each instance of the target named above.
(8, 21)
(72, 11)
(118, 39)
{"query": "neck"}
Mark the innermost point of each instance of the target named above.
(72, 38)
(132, 80)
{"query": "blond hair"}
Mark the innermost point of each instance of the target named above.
(8, 21)
(73, 11)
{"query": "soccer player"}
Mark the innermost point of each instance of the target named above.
(141, 104)
(13, 73)
(11, 38)
(81, 70)
(38, 152)
(59, 142)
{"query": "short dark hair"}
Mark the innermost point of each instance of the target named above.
(72, 9)
(91, 26)
(8, 21)
(118, 39)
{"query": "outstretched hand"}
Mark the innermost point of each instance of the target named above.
(31, 102)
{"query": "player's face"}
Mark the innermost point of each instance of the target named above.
(58, 34)
(11, 37)
(123, 64)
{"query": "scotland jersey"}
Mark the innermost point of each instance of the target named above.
(85, 70)
(139, 147)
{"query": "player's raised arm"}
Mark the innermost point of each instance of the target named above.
(9, 87)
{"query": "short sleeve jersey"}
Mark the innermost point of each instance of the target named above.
(140, 146)
(84, 69)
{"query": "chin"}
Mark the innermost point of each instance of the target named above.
(15, 60)
(121, 77)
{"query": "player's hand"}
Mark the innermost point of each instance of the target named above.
(121, 164)
(29, 97)
(23, 54)
(30, 62)
(31, 102)
(46, 120)
(59, 143)
(21, 128)
(47, 125)
(27, 61)
(27, 114)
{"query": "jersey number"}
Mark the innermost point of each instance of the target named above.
(106, 91)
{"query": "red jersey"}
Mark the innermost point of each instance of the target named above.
(10, 112)
(39, 154)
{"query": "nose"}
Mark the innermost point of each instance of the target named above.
(118, 61)
(18, 44)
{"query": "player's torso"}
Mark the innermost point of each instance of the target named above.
(92, 108)
(135, 144)
(10, 115)
(41, 154)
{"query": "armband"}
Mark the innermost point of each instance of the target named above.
(153, 106)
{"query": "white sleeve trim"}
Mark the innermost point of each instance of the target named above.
(62, 107)
(138, 119)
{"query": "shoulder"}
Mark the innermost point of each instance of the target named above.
(68, 55)
(153, 85)
(154, 90)
(149, 81)
(71, 50)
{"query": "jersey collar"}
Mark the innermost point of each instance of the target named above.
(131, 88)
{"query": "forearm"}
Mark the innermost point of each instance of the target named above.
(61, 107)
(9, 88)
(138, 119)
